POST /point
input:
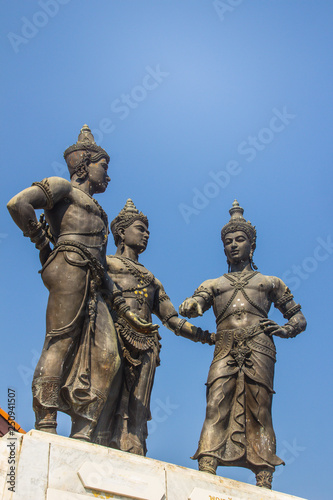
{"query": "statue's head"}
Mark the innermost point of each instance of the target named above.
(130, 228)
(241, 230)
(84, 154)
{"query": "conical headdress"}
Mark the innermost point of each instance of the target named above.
(85, 151)
(238, 223)
(125, 218)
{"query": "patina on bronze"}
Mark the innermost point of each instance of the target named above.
(238, 428)
(80, 364)
(144, 295)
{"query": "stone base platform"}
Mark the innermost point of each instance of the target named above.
(42, 466)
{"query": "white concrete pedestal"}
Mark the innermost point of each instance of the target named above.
(50, 467)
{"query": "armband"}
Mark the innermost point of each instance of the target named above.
(293, 310)
(286, 297)
(45, 187)
(203, 292)
(162, 297)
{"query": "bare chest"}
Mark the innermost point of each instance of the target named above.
(78, 213)
(135, 281)
(237, 293)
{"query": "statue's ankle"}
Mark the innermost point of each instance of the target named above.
(264, 479)
(207, 464)
(82, 429)
(46, 420)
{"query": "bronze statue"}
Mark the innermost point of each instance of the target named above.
(145, 295)
(80, 365)
(238, 428)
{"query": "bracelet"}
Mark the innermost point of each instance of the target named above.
(169, 316)
(291, 331)
(286, 297)
(37, 235)
(203, 336)
(118, 300)
(123, 309)
(179, 327)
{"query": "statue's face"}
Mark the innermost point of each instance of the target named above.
(136, 236)
(97, 175)
(237, 247)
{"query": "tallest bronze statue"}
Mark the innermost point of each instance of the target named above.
(238, 429)
(80, 366)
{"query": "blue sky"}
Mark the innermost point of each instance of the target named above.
(197, 103)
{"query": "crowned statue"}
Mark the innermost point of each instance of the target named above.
(238, 429)
(80, 365)
(126, 428)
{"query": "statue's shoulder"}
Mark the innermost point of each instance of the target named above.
(158, 284)
(54, 189)
(57, 182)
(58, 186)
(275, 286)
(114, 265)
(210, 284)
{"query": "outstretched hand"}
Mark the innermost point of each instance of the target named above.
(140, 324)
(190, 308)
(271, 328)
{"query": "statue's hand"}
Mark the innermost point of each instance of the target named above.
(204, 336)
(140, 324)
(190, 308)
(271, 328)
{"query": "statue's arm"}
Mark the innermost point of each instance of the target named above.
(165, 311)
(283, 300)
(200, 302)
(114, 298)
(41, 195)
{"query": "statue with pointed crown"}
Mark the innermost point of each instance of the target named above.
(80, 364)
(126, 429)
(238, 429)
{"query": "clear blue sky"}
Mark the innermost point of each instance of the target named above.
(196, 105)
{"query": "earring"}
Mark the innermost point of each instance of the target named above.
(254, 267)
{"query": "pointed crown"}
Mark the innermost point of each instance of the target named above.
(238, 223)
(125, 218)
(85, 151)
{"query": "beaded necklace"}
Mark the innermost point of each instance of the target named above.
(146, 278)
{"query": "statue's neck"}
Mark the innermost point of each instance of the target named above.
(84, 186)
(240, 266)
(127, 252)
